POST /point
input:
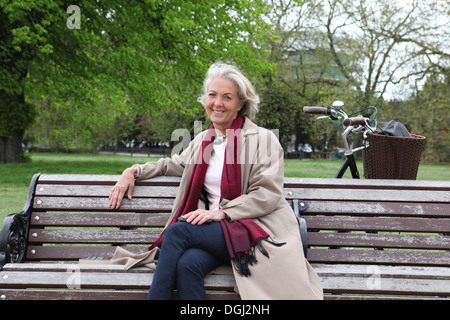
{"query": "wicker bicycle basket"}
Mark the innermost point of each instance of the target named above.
(390, 157)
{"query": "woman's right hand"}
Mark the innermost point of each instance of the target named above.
(125, 184)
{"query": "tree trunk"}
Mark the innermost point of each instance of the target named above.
(11, 148)
(16, 116)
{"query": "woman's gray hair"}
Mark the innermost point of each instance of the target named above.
(246, 91)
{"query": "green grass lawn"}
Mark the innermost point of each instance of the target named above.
(15, 178)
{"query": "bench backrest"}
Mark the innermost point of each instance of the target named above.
(384, 222)
(71, 218)
(349, 221)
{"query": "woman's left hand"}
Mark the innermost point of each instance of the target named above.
(200, 216)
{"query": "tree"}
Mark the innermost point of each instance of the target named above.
(357, 51)
(305, 75)
(102, 58)
(22, 29)
(388, 43)
(430, 119)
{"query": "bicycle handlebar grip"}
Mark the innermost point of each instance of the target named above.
(315, 110)
(354, 121)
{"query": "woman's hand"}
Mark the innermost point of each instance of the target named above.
(200, 216)
(125, 183)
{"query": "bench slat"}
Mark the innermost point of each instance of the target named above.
(74, 252)
(378, 240)
(63, 267)
(380, 257)
(335, 279)
(367, 195)
(289, 182)
(103, 191)
(391, 209)
(67, 294)
(385, 286)
(102, 204)
(96, 280)
(404, 272)
(419, 258)
(93, 236)
(385, 184)
(106, 179)
(378, 224)
(104, 219)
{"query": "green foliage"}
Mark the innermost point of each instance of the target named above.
(426, 113)
(134, 69)
(127, 58)
(17, 116)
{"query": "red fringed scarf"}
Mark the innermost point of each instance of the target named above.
(241, 236)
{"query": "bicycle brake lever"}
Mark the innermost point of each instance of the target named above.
(332, 117)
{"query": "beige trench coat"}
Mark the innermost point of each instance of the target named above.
(286, 274)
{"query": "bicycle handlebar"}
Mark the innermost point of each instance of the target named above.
(354, 121)
(315, 110)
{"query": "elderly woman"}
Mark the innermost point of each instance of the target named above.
(229, 206)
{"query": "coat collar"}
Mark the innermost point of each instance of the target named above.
(249, 128)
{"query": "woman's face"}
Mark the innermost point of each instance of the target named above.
(222, 103)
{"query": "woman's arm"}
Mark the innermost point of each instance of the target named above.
(173, 166)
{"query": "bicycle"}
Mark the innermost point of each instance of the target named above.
(352, 125)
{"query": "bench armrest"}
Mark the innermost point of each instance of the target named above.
(14, 231)
(13, 239)
(299, 206)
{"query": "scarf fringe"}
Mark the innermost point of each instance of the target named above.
(242, 263)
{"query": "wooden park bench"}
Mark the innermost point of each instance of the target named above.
(367, 239)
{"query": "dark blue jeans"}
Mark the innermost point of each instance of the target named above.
(188, 253)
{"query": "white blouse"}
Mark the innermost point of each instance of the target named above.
(214, 175)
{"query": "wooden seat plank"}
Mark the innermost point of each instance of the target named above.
(335, 279)
(363, 285)
(67, 294)
(404, 272)
(74, 278)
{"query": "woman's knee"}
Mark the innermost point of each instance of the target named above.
(189, 263)
(196, 262)
(176, 230)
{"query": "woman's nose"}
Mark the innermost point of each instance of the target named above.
(218, 102)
